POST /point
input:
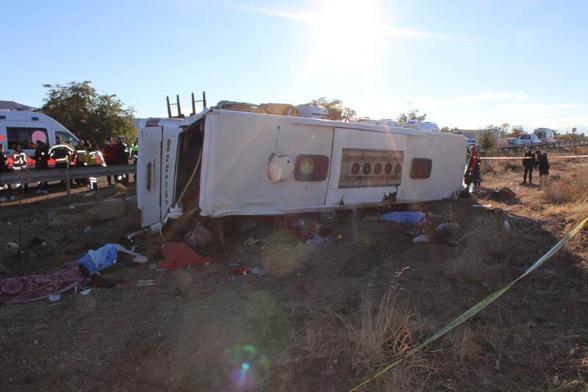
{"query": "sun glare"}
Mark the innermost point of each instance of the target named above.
(347, 34)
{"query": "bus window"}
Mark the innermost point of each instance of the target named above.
(25, 137)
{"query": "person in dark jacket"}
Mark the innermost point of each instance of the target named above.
(109, 153)
(543, 165)
(41, 162)
(122, 156)
(3, 164)
(528, 165)
(3, 159)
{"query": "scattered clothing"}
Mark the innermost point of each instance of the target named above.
(98, 260)
(36, 287)
(178, 255)
(413, 217)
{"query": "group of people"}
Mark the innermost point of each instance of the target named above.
(535, 160)
(20, 161)
(115, 152)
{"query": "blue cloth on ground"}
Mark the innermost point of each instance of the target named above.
(413, 217)
(100, 259)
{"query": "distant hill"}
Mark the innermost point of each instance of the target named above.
(11, 105)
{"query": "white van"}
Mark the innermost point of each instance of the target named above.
(546, 135)
(26, 128)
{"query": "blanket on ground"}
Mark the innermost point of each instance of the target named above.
(35, 287)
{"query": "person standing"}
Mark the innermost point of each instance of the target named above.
(122, 156)
(528, 165)
(543, 165)
(3, 164)
(41, 162)
(109, 154)
(19, 161)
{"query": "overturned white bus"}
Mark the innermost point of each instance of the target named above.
(233, 162)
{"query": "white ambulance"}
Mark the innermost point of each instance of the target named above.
(26, 128)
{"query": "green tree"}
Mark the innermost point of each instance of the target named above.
(90, 115)
(337, 110)
(488, 140)
(517, 131)
(411, 116)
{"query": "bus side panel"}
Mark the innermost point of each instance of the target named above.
(149, 168)
(360, 140)
(448, 156)
(237, 152)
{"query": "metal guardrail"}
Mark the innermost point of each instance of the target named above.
(547, 145)
(41, 175)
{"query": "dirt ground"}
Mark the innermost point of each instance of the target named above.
(325, 316)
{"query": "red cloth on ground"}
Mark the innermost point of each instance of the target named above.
(35, 287)
(178, 255)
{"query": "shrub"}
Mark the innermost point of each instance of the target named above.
(566, 190)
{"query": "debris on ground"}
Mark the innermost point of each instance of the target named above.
(146, 283)
(413, 232)
(199, 236)
(503, 194)
(423, 238)
(315, 240)
(178, 255)
(54, 298)
(253, 242)
(242, 271)
(260, 271)
(412, 217)
(306, 229)
(11, 249)
(447, 232)
(507, 225)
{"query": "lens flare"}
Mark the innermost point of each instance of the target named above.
(247, 367)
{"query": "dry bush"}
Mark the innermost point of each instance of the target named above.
(500, 166)
(566, 190)
(491, 241)
(470, 268)
(484, 251)
(464, 344)
(381, 332)
(487, 168)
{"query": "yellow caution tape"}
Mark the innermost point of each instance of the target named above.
(550, 157)
(471, 312)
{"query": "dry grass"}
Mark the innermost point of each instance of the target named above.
(381, 332)
(464, 344)
(501, 166)
(572, 189)
(484, 253)
(376, 334)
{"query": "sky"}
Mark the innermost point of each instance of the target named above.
(466, 64)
